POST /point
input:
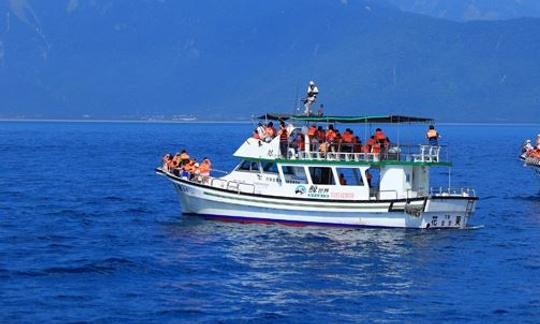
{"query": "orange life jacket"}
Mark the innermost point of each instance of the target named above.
(283, 136)
(330, 135)
(380, 137)
(347, 137)
(312, 131)
(301, 143)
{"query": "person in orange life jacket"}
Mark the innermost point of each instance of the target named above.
(283, 139)
(184, 157)
(432, 136)
(338, 141)
(348, 138)
(379, 136)
(300, 143)
(342, 180)
(369, 144)
(330, 134)
(312, 131)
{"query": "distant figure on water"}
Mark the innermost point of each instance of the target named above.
(432, 136)
(311, 96)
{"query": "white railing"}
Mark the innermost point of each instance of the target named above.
(409, 153)
(446, 191)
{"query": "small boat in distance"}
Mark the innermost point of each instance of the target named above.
(340, 185)
(530, 155)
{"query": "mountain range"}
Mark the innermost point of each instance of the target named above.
(233, 59)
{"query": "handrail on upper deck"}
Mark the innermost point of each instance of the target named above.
(422, 153)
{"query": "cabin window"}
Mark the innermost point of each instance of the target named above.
(351, 176)
(269, 167)
(322, 176)
(294, 174)
(249, 166)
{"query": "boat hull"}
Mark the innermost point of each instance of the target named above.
(427, 212)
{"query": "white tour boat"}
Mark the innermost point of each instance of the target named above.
(304, 187)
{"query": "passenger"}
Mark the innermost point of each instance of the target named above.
(255, 135)
(357, 145)
(368, 177)
(283, 139)
(323, 148)
(376, 149)
(300, 143)
(321, 135)
(342, 180)
(538, 141)
(379, 136)
(261, 130)
(204, 169)
(432, 136)
(527, 147)
(330, 134)
(191, 168)
(184, 157)
(311, 96)
(270, 132)
(170, 164)
(312, 131)
(176, 159)
(185, 170)
(165, 162)
(196, 173)
(175, 167)
(369, 145)
(348, 140)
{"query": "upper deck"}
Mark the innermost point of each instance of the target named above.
(340, 153)
(419, 155)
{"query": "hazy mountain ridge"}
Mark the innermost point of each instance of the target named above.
(466, 10)
(123, 58)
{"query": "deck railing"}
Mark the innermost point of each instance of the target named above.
(451, 191)
(408, 153)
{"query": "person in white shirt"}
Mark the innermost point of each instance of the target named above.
(311, 96)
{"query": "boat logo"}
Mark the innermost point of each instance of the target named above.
(300, 190)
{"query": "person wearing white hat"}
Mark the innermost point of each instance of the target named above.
(528, 146)
(311, 96)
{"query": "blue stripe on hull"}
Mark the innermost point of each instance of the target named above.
(247, 220)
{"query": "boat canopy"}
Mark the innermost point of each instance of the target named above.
(383, 119)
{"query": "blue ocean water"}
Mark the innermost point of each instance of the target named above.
(88, 232)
